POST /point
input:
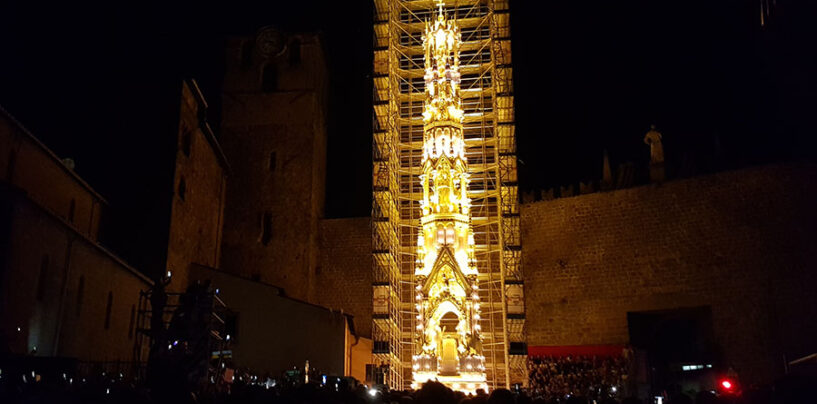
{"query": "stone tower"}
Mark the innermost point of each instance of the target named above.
(274, 136)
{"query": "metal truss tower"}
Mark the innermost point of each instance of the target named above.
(490, 150)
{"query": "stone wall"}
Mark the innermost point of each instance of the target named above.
(197, 206)
(273, 332)
(56, 285)
(740, 242)
(61, 292)
(274, 136)
(29, 165)
(344, 274)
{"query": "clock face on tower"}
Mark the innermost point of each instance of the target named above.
(271, 42)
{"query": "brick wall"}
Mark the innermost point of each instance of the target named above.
(344, 279)
(741, 242)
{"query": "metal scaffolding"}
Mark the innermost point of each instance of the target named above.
(487, 100)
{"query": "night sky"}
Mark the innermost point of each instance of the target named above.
(100, 83)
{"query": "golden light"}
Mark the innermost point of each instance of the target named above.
(448, 332)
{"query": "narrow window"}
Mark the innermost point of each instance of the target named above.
(187, 142)
(246, 53)
(440, 236)
(108, 311)
(272, 161)
(41, 282)
(449, 236)
(269, 80)
(71, 208)
(182, 188)
(132, 321)
(295, 52)
(266, 228)
(12, 162)
(80, 294)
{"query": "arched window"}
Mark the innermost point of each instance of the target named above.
(80, 294)
(43, 279)
(440, 236)
(108, 309)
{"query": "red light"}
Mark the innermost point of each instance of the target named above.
(726, 384)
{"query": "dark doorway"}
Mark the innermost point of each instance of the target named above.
(675, 341)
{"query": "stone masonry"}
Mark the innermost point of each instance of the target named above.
(274, 136)
(344, 273)
(741, 242)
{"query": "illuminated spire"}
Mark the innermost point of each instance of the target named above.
(441, 43)
(448, 332)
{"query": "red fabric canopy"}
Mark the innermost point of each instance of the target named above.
(576, 350)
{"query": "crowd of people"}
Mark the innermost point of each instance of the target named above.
(554, 378)
(116, 388)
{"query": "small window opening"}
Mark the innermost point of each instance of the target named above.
(132, 321)
(272, 161)
(449, 236)
(71, 208)
(266, 228)
(108, 309)
(269, 79)
(11, 163)
(182, 188)
(41, 282)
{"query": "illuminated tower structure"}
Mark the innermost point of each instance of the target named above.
(448, 291)
(449, 344)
